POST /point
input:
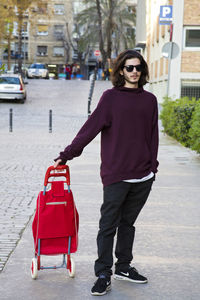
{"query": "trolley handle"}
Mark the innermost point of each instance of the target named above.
(60, 174)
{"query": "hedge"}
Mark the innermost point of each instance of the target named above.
(194, 131)
(181, 120)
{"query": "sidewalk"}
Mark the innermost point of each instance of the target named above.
(167, 239)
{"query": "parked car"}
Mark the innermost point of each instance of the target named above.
(12, 87)
(38, 71)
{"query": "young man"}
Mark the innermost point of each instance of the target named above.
(127, 117)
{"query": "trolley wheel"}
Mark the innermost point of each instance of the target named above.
(71, 269)
(34, 268)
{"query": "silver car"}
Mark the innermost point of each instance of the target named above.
(38, 71)
(12, 87)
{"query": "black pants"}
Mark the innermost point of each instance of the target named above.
(121, 206)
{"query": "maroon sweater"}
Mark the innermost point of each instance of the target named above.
(128, 121)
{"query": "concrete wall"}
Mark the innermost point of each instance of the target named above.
(141, 21)
(157, 36)
(175, 70)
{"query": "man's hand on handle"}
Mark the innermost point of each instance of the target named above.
(57, 162)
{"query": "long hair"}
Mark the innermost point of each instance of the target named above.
(118, 79)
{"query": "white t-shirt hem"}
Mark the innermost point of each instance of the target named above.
(141, 179)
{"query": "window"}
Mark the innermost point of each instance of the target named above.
(190, 89)
(58, 51)
(38, 66)
(25, 29)
(59, 9)
(9, 80)
(75, 55)
(42, 30)
(192, 37)
(41, 50)
(15, 28)
(58, 31)
(58, 28)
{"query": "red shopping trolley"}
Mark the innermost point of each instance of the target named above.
(56, 221)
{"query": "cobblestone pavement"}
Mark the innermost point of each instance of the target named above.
(28, 150)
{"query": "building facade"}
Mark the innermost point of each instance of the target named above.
(46, 34)
(179, 76)
(48, 29)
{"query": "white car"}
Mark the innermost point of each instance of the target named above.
(12, 87)
(38, 71)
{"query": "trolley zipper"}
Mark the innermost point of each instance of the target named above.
(56, 203)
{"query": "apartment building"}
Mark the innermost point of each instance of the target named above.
(179, 76)
(45, 34)
(49, 26)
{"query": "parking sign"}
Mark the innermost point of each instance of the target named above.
(165, 14)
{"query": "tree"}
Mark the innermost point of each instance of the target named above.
(77, 43)
(84, 34)
(110, 19)
(6, 25)
(3, 15)
(22, 10)
(15, 11)
(2, 68)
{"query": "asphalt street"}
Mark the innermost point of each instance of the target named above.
(167, 240)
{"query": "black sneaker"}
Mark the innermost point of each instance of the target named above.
(101, 286)
(130, 274)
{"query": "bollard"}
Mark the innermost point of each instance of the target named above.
(50, 121)
(11, 120)
(91, 91)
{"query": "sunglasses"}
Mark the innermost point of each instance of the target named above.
(130, 68)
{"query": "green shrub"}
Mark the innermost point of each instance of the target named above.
(166, 115)
(176, 118)
(183, 114)
(194, 131)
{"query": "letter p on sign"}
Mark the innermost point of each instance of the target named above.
(165, 14)
(166, 11)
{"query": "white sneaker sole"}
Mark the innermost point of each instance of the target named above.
(119, 277)
(101, 294)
